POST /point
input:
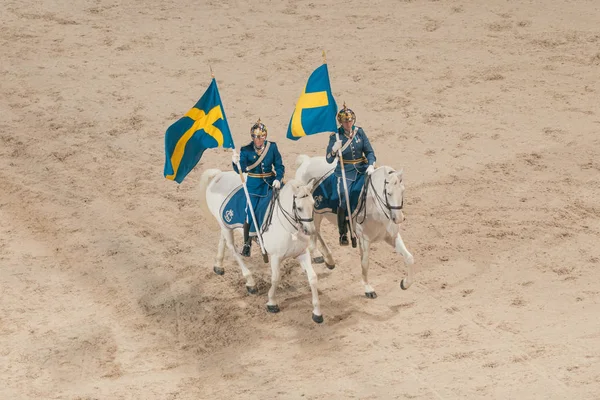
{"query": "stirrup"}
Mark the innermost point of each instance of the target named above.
(344, 240)
(245, 250)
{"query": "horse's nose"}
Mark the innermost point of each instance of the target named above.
(398, 218)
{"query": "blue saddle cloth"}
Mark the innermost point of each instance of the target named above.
(326, 194)
(233, 209)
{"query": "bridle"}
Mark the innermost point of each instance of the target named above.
(387, 203)
(293, 218)
(383, 203)
(297, 217)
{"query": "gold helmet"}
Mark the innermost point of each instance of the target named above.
(346, 114)
(258, 130)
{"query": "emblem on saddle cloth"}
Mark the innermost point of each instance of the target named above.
(318, 200)
(228, 215)
(233, 209)
(326, 193)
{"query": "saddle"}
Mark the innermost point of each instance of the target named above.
(326, 195)
(233, 210)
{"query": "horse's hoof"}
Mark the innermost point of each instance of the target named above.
(219, 271)
(318, 260)
(317, 318)
(371, 295)
(330, 266)
(273, 309)
(403, 284)
(252, 289)
(246, 249)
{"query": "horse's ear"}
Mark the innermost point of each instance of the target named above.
(294, 184)
(399, 174)
(311, 183)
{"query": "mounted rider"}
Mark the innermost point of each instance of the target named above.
(261, 160)
(358, 158)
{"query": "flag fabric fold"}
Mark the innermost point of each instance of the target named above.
(203, 127)
(316, 109)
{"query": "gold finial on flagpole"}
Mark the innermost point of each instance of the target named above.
(324, 58)
(211, 72)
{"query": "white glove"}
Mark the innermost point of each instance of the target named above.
(370, 169)
(276, 184)
(336, 146)
(235, 157)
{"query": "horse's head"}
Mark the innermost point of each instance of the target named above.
(303, 206)
(393, 194)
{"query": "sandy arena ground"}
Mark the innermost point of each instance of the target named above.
(491, 107)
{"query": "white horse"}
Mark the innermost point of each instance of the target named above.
(378, 219)
(288, 235)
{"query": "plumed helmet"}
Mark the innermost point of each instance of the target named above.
(258, 130)
(346, 114)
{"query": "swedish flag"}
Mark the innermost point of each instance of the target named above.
(203, 127)
(315, 110)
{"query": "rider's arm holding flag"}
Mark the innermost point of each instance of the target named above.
(332, 148)
(237, 158)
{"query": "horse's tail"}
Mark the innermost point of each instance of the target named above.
(205, 179)
(302, 162)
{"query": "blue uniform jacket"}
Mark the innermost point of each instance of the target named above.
(358, 155)
(261, 177)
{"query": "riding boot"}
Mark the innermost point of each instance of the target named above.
(342, 226)
(247, 241)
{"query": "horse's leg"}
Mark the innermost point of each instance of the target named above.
(317, 257)
(275, 274)
(395, 240)
(250, 284)
(218, 268)
(409, 260)
(364, 263)
(329, 261)
(304, 260)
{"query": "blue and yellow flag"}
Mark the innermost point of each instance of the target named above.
(315, 110)
(203, 127)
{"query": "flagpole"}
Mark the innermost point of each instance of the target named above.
(349, 213)
(339, 152)
(347, 196)
(260, 241)
(256, 226)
